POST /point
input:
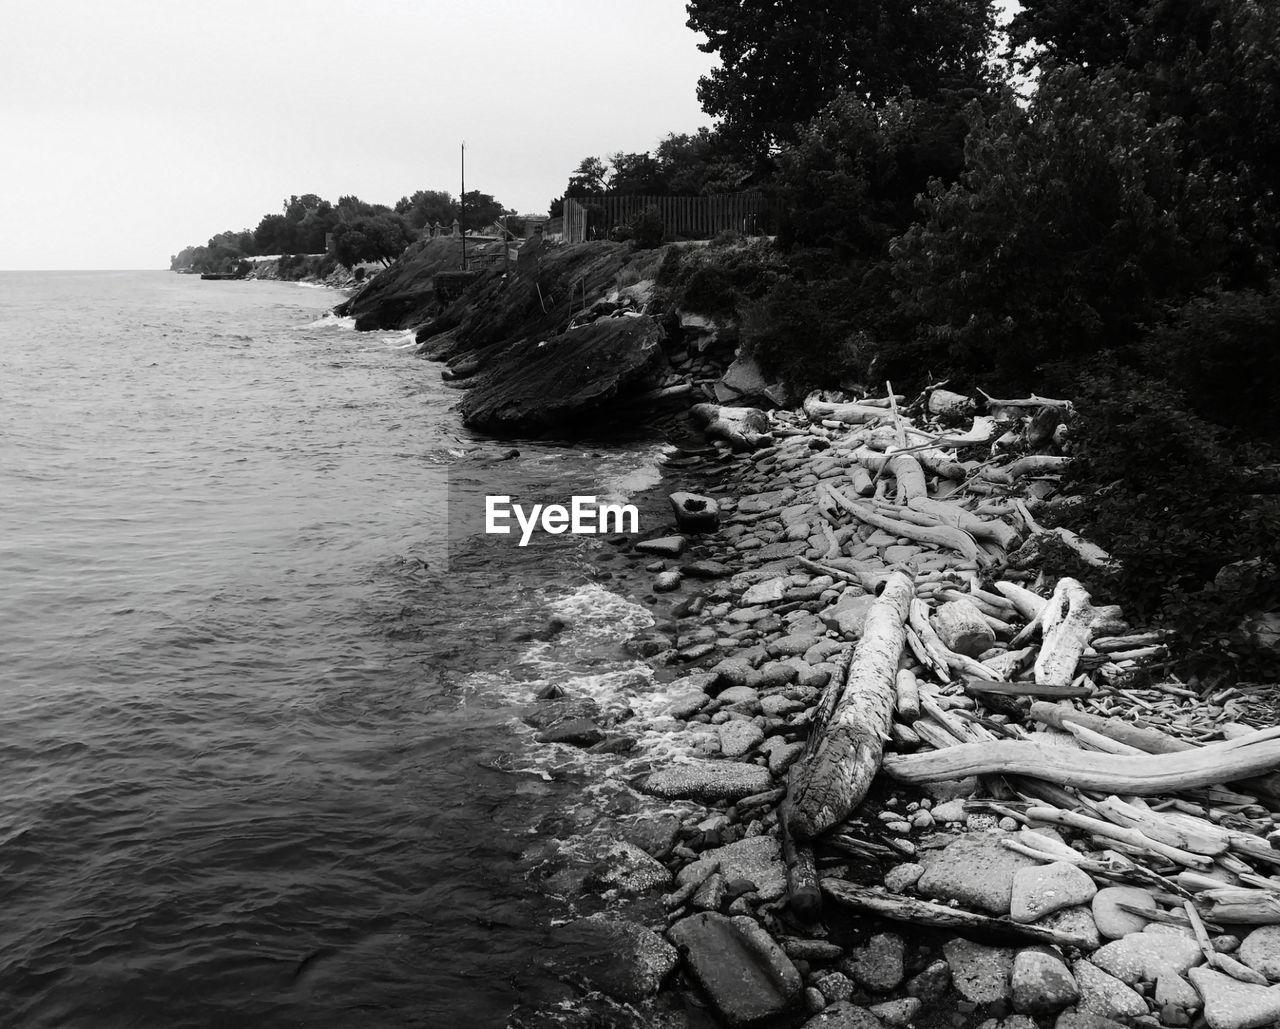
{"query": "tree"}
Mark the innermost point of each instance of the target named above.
(379, 237)
(781, 62)
(588, 178)
(480, 210)
(1090, 33)
(427, 207)
(701, 163)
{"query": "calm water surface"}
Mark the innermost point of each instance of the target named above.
(260, 759)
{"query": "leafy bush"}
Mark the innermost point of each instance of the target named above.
(647, 229)
(718, 281)
(1164, 494)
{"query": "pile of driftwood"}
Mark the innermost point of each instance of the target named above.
(968, 667)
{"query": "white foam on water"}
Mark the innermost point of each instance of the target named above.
(620, 484)
(329, 320)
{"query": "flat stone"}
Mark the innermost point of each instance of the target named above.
(706, 570)
(757, 859)
(738, 738)
(664, 546)
(1048, 888)
(709, 780)
(974, 870)
(1078, 922)
(1041, 981)
(624, 959)
(843, 1015)
(848, 616)
(1229, 1004)
(782, 758)
(793, 644)
(1076, 1020)
(744, 698)
(899, 553)
(979, 973)
(628, 869)
(1113, 921)
(879, 965)
(1144, 957)
(1260, 950)
(747, 976)
(695, 513)
(778, 705)
(1174, 989)
(1105, 995)
(802, 949)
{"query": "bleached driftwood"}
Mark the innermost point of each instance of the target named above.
(938, 536)
(1146, 775)
(1066, 625)
(843, 756)
(743, 428)
(943, 403)
(849, 413)
(992, 529)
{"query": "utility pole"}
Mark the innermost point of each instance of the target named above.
(463, 204)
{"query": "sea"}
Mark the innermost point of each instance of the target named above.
(264, 752)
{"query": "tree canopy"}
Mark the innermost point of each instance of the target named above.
(780, 63)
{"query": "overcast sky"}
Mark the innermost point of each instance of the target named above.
(131, 128)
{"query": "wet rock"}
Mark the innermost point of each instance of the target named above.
(843, 1015)
(536, 384)
(624, 959)
(738, 738)
(778, 705)
(664, 546)
(792, 645)
(1105, 995)
(848, 616)
(747, 976)
(667, 582)
(975, 870)
(1260, 950)
(1047, 888)
(980, 974)
(739, 698)
(628, 869)
(711, 894)
(1143, 957)
(879, 965)
(1113, 921)
(1229, 1004)
(799, 948)
(577, 732)
(694, 513)
(782, 758)
(770, 591)
(1076, 1020)
(708, 780)
(757, 859)
(706, 570)
(1041, 981)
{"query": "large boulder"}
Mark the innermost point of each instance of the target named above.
(405, 293)
(539, 384)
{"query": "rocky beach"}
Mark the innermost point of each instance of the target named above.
(883, 769)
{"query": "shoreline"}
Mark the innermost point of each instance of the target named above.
(745, 658)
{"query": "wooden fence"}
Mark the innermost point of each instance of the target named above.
(691, 217)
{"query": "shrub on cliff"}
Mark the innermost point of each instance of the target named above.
(718, 281)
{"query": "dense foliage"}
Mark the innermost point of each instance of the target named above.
(358, 231)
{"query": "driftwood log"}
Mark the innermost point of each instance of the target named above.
(843, 754)
(1066, 624)
(743, 428)
(923, 912)
(1141, 775)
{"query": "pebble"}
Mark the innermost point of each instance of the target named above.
(1173, 989)
(931, 983)
(1114, 922)
(1078, 921)
(949, 811)
(843, 1015)
(708, 780)
(1048, 888)
(666, 546)
(897, 1013)
(834, 986)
